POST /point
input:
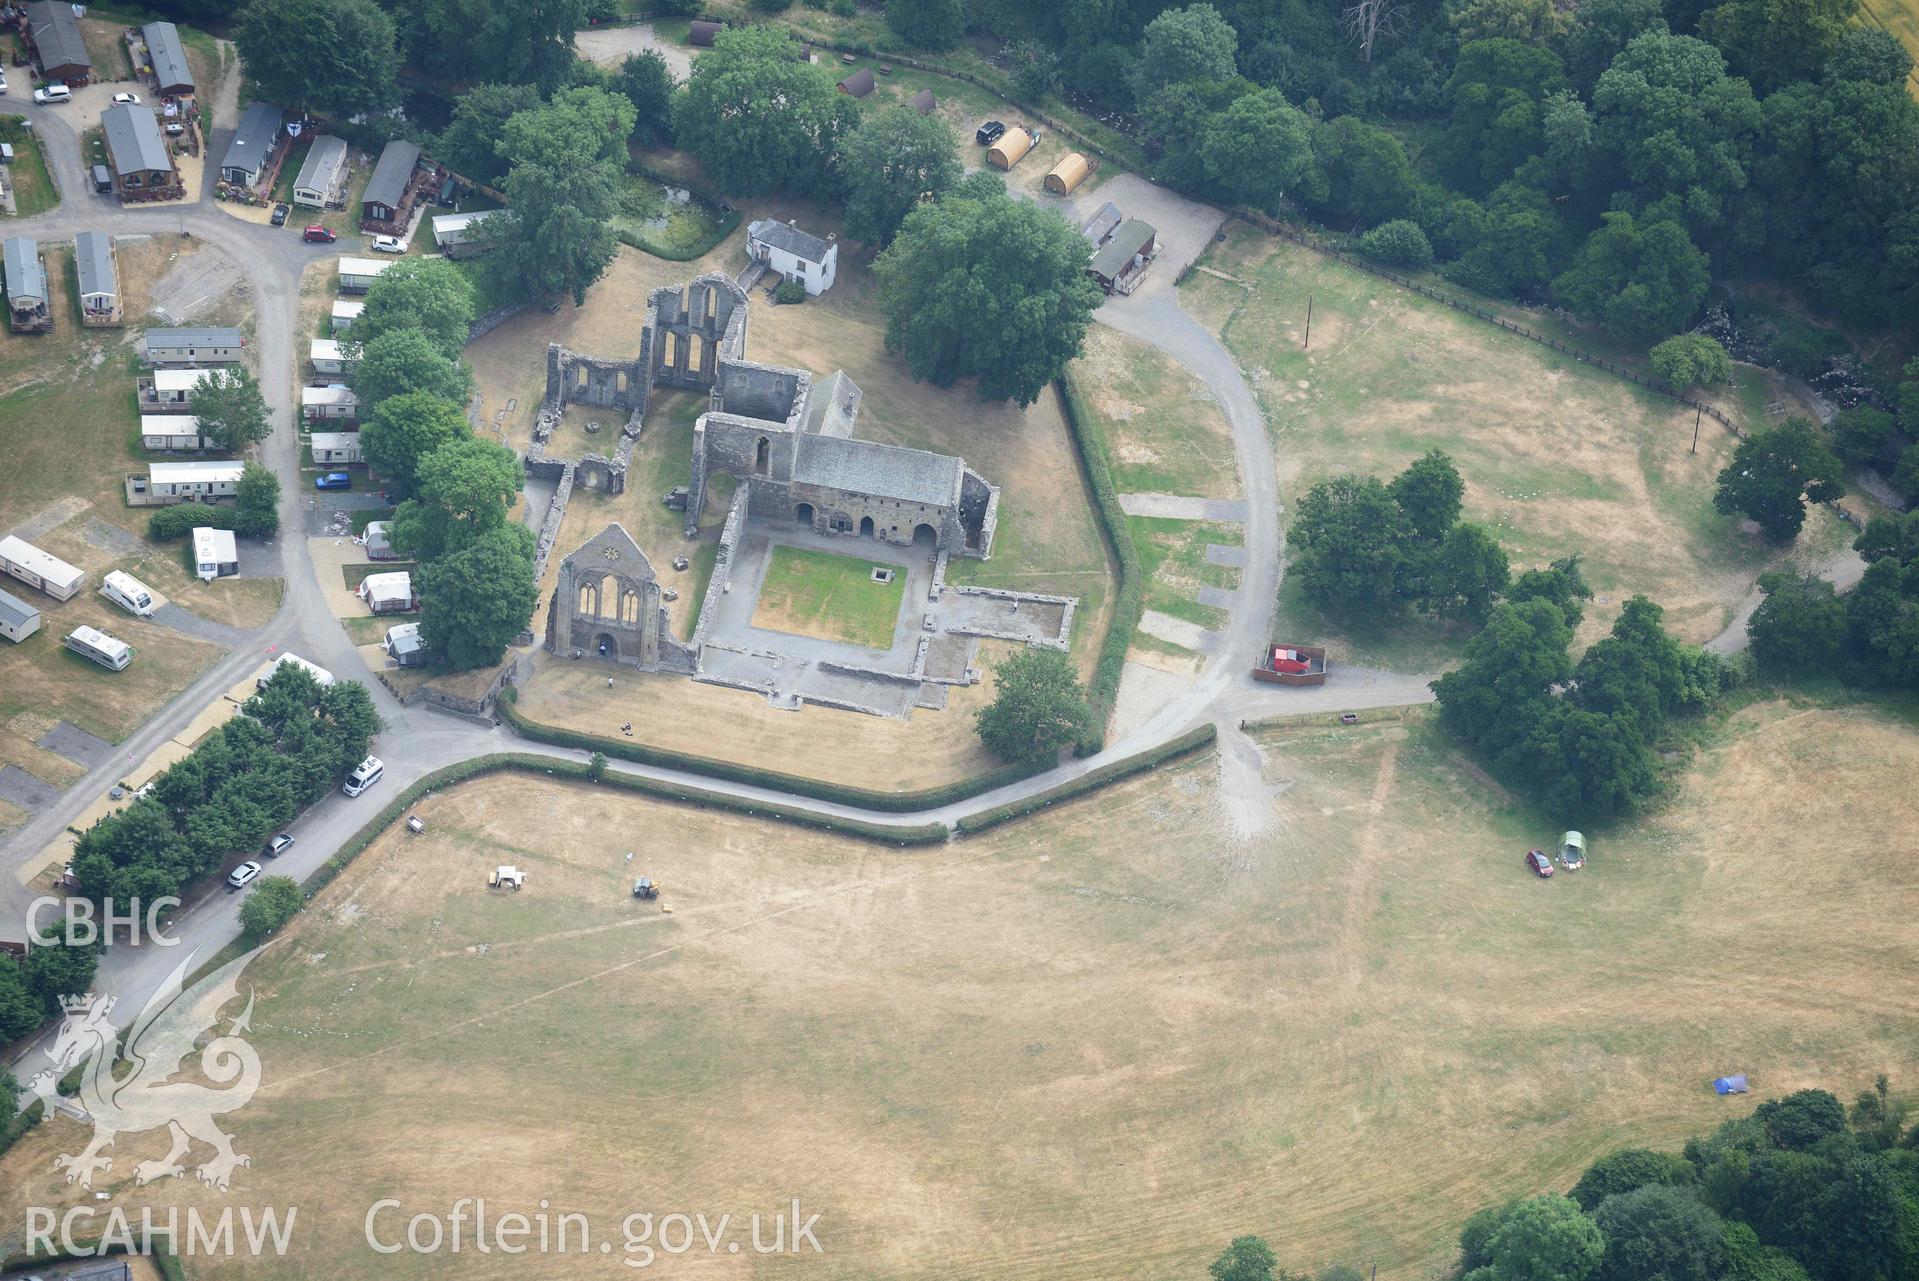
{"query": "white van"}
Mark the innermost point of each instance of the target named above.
(129, 593)
(318, 672)
(91, 643)
(364, 775)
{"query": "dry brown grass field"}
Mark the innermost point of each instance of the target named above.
(1095, 1044)
(1558, 458)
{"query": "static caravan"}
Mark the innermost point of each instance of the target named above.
(19, 620)
(195, 346)
(390, 593)
(98, 280)
(319, 673)
(345, 312)
(456, 234)
(172, 77)
(214, 554)
(358, 274)
(36, 568)
(200, 481)
(333, 401)
(170, 391)
(329, 356)
(96, 646)
(174, 433)
(253, 144)
(337, 447)
(129, 593)
(322, 178)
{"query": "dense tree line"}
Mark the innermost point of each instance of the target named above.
(31, 988)
(1803, 1189)
(476, 567)
(1580, 738)
(251, 776)
(1607, 157)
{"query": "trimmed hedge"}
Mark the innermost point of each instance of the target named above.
(181, 519)
(1192, 740)
(1129, 601)
(754, 776)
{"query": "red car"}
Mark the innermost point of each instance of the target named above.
(318, 235)
(1539, 863)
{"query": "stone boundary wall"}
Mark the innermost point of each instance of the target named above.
(1067, 605)
(721, 580)
(550, 527)
(493, 320)
(939, 576)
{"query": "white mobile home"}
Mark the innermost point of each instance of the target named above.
(388, 593)
(345, 312)
(329, 355)
(36, 568)
(99, 281)
(96, 646)
(333, 401)
(18, 620)
(322, 180)
(457, 234)
(193, 482)
(175, 433)
(336, 447)
(214, 554)
(195, 345)
(319, 673)
(358, 274)
(128, 592)
(170, 391)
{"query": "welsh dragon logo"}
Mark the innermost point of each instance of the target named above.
(147, 1098)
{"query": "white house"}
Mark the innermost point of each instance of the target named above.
(335, 401)
(358, 274)
(214, 554)
(336, 446)
(345, 312)
(390, 593)
(195, 345)
(193, 482)
(329, 356)
(794, 254)
(175, 433)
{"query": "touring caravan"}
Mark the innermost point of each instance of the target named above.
(129, 593)
(318, 672)
(96, 646)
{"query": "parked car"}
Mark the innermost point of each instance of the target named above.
(102, 179)
(52, 93)
(280, 213)
(389, 245)
(242, 876)
(279, 845)
(318, 235)
(176, 129)
(333, 480)
(989, 133)
(126, 99)
(3, 82)
(364, 775)
(1540, 864)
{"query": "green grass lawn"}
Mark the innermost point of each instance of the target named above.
(33, 189)
(832, 597)
(1172, 555)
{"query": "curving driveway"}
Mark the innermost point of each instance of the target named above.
(418, 741)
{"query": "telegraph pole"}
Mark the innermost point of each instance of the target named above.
(1309, 323)
(1700, 412)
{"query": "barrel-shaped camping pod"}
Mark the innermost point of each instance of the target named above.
(1012, 145)
(1068, 173)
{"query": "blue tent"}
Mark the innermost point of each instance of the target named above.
(1730, 1084)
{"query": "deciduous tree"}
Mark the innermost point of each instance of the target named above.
(1692, 360)
(1260, 149)
(1639, 280)
(1543, 1238)
(256, 501)
(927, 24)
(429, 295)
(888, 165)
(1182, 46)
(758, 118)
(465, 488)
(646, 82)
(1349, 544)
(404, 429)
(1774, 473)
(1245, 1259)
(1038, 707)
(565, 164)
(405, 360)
(470, 144)
(231, 410)
(335, 57)
(474, 601)
(980, 285)
(273, 902)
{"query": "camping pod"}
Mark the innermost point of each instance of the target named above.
(923, 102)
(1068, 173)
(1012, 145)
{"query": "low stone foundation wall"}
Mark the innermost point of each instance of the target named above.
(1059, 640)
(722, 580)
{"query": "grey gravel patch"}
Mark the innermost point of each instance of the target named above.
(52, 515)
(74, 743)
(1217, 597)
(1220, 554)
(25, 790)
(1176, 507)
(110, 538)
(185, 621)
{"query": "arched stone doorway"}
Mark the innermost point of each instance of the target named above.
(606, 647)
(762, 456)
(866, 527)
(803, 515)
(925, 536)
